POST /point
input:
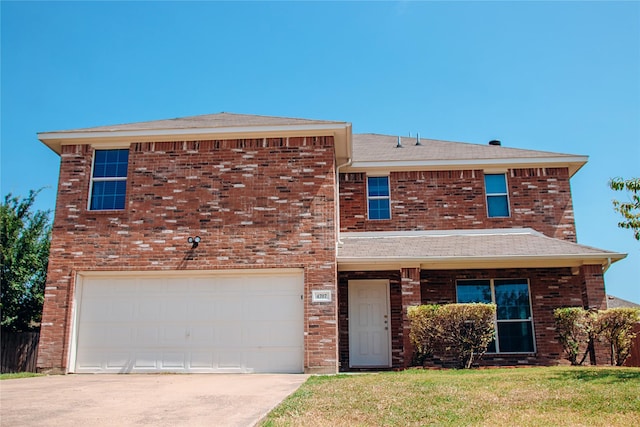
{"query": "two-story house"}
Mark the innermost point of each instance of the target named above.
(237, 243)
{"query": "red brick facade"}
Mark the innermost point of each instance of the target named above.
(549, 289)
(259, 203)
(271, 203)
(539, 198)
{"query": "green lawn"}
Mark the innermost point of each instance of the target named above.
(18, 375)
(558, 396)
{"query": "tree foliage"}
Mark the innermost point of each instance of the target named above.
(615, 327)
(578, 328)
(630, 210)
(24, 255)
(461, 331)
(575, 330)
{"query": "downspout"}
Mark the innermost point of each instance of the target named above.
(347, 163)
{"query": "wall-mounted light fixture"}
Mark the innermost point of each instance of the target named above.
(194, 241)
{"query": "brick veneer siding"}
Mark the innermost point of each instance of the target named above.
(594, 298)
(539, 198)
(550, 288)
(256, 203)
(410, 297)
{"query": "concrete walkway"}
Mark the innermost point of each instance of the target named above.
(152, 399)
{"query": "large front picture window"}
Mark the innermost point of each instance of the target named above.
(109, 180)
(514, 324)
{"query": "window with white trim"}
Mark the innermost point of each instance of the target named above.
(495, 185)
(514, 323)
(378, 197)
(109, 180)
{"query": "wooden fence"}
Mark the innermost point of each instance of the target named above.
(19, 351)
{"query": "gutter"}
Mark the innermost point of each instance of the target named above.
(338, 240)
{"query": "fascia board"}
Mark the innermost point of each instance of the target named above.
(55, 140)
(431, 263)
(574, 163)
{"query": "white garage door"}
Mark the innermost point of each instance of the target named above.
(220, 323)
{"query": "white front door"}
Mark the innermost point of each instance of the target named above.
(369, 323)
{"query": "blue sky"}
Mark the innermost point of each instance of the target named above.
(553, 76)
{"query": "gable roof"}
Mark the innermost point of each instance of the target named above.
(374, 151)
(367, 152)
(205, 121)
(208, 126)
(443, 249)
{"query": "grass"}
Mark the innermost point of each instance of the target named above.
(18, 375)
(558, 396)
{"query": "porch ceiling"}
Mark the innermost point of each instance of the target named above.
(453, 249)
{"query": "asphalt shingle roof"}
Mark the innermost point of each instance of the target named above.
(472, 244)
(373, 147)
(206, 121)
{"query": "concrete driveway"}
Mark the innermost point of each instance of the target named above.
(151, 399)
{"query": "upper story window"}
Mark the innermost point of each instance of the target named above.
(378, 196)
(514, 323)
(109, 180)
(497, 196)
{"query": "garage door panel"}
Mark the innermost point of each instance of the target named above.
(147, 336)
(228, 335)
(146, 360)
(226, 323)
(173, 360)
(118, 361)
(149, 309)
(202, 310)
(202, 360)
(201, 336)
(230, 359)
(173, 335)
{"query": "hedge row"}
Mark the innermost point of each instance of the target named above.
(578, 329)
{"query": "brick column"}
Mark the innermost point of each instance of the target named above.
(410, 296)
(594, 297)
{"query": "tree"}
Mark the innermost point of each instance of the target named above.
(615, 327)
(630, 211)
(24, 255)
(573, 325)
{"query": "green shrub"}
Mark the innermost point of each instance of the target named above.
(423, 331)
(574, 326)
(615, 327)
(460, 331)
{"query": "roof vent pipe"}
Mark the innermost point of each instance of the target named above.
(495, 142)
(418, 139)
(399, 144)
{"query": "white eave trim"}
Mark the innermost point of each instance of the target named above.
(55, 140)
(573, 162)
(480, 262)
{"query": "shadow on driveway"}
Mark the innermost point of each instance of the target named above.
(143, 399)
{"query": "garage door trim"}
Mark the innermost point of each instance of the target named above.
(84, 276)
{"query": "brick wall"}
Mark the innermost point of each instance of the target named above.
(258, 203)
(550, 288)
(539, 198)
